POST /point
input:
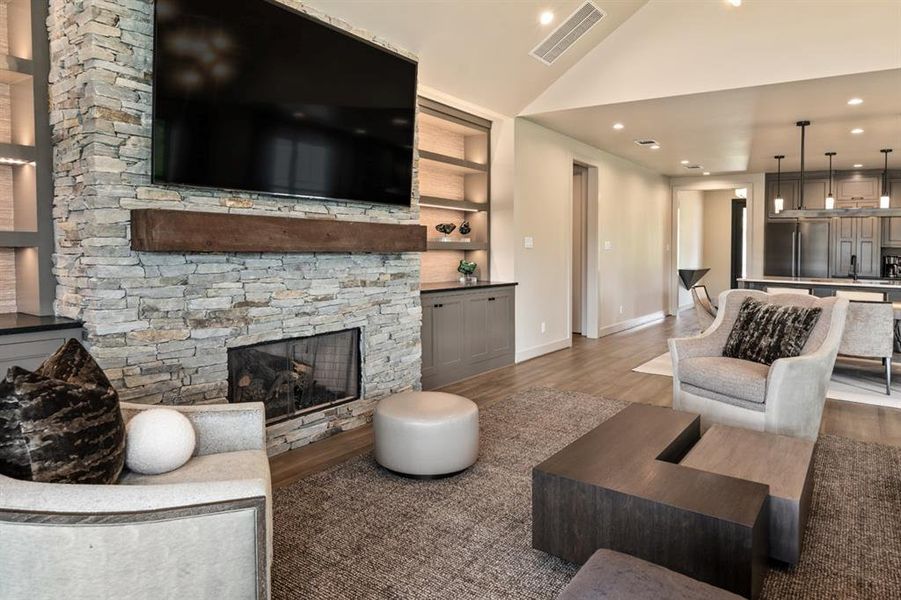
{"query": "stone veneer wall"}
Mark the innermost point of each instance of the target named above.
(160, 324)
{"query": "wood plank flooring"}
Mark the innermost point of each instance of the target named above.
(602, 367)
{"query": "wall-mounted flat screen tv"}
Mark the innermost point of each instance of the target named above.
(255, 96)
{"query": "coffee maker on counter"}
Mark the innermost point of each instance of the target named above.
(891, 266)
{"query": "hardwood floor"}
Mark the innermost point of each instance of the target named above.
(601, 367)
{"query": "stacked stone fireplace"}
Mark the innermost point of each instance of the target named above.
(162, 325)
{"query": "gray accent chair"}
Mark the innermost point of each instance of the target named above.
(201, 531)
(869, 333)
(704, 308)
(785, 398)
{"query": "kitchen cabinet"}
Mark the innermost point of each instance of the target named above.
(815, 191)
(864, 191)
(891, 227)
(856, 236)
(466, 331)
(790, 194)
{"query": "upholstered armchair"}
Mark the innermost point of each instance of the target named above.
(786, 397)
(201, 531)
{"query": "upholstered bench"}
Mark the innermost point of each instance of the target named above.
(426, 434)
(610, 575)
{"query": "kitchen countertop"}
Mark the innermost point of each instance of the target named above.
(11, 323)
(828, 281)
(450, 286)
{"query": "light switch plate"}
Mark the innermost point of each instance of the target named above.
(608, 245)
(528, 242)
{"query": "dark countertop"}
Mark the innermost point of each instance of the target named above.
(11, 323)
(450, 286)
(863, 282)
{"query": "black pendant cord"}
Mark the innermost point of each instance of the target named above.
(779, 158)
(803, 125)
(885, 151)
(830, 155)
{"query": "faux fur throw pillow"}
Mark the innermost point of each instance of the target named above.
(764, 332)
(62, 423)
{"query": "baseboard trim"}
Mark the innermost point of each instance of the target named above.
(637, 321)
(537, 351)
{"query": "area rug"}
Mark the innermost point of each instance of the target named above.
(853, 380)
(357, 531)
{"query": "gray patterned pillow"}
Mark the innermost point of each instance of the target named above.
(764, 332)
(62, 423)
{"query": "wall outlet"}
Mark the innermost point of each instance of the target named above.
(528, 242)
(620, 309)
(543, 327)
(608, 245)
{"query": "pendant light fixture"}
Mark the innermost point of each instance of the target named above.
(778, 202)
(803, 125)
(885, 200)
(830, 199)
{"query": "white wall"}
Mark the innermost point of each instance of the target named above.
(677, 47)
(633, 214)
(691, 237)
(717, 240)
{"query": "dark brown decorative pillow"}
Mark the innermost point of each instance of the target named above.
(62, 423)
(764, 332)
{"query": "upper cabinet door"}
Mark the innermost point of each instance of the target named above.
(859, 189)
(815, 191)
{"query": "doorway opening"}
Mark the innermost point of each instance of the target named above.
(580, 250)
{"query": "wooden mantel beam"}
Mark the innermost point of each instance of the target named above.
(158, 230)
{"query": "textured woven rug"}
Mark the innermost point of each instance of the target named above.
(357, 531)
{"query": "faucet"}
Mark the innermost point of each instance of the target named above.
(853, 271)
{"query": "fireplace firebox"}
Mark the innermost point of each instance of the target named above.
(296, 376)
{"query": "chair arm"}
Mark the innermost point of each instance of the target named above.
(796, 394)
(30, 496)
(691, 347)
(219, 427)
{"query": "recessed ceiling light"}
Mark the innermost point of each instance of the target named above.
(546, 17)
(735, 2)
(858, 165)
(857, 131)
(655, 147)
(706, 172)
(618, 126)
(855, 101)
(684, 162)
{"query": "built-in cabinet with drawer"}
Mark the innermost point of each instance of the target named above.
(860, 237)
(850, 189)
(466, 331)
(891, 227)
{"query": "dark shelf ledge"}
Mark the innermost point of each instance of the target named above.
(436, 245)
(450, 286)
(11, 323)
(14, 69)
(454, 164)
(464, 205)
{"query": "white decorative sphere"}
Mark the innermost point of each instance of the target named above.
(158, 440)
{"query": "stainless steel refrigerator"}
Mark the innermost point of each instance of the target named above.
(797, 248)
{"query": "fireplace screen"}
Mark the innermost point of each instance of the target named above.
(293, 377)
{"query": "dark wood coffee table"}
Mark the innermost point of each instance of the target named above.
(620, 487)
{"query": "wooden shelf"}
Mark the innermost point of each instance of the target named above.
(157, 230)
(838, 212)
(436, 245)
(464, 205)
(453, 164)
(18, 239)
(14, 69)
(17, 152)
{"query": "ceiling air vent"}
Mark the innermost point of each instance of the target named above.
(645, 142)
(693, 166)
(560, 40)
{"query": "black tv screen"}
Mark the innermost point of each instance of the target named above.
(251, 95)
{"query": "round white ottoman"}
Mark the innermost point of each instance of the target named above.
(426, 434)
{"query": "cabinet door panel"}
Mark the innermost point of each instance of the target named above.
(447, 316)
(891, 234)
(868, 247)
(844, 244)
(789, 194)
(500, 317)
(476, 326)
(428, 340)
(815, 192)
(862, 188)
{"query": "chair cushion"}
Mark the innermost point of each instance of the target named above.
(62, 423)
(765, 332)
(612, 575)
(225, 466)
(726, 376)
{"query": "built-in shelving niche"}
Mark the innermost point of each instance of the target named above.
(454, 186)
(26, 239)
